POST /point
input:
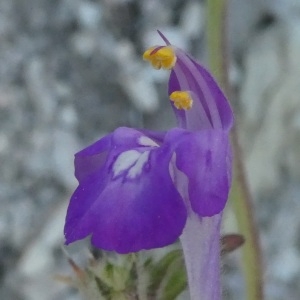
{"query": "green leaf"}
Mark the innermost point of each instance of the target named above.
(168, 277)
(175, 284)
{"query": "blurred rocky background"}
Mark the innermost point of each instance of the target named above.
(71, 71)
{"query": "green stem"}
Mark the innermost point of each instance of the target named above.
(215, 35)
(240, 197)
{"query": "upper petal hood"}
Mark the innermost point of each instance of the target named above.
(210, 109)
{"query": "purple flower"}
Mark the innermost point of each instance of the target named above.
(138, 189)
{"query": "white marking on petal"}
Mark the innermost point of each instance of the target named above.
(180, 180)
(145, 141)
(125, 160)
(137, 169)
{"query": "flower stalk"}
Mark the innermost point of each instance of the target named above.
(240, 197)
(201, 248)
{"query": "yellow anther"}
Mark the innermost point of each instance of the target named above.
(147, 53)
(161, 57)
(182, 100)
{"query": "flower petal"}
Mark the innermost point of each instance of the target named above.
(149, 214)
(77, 224)
(129, 211)
(211, 108)
(205, 158)
(90, 159)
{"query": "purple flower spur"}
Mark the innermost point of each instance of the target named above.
(141, 189)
